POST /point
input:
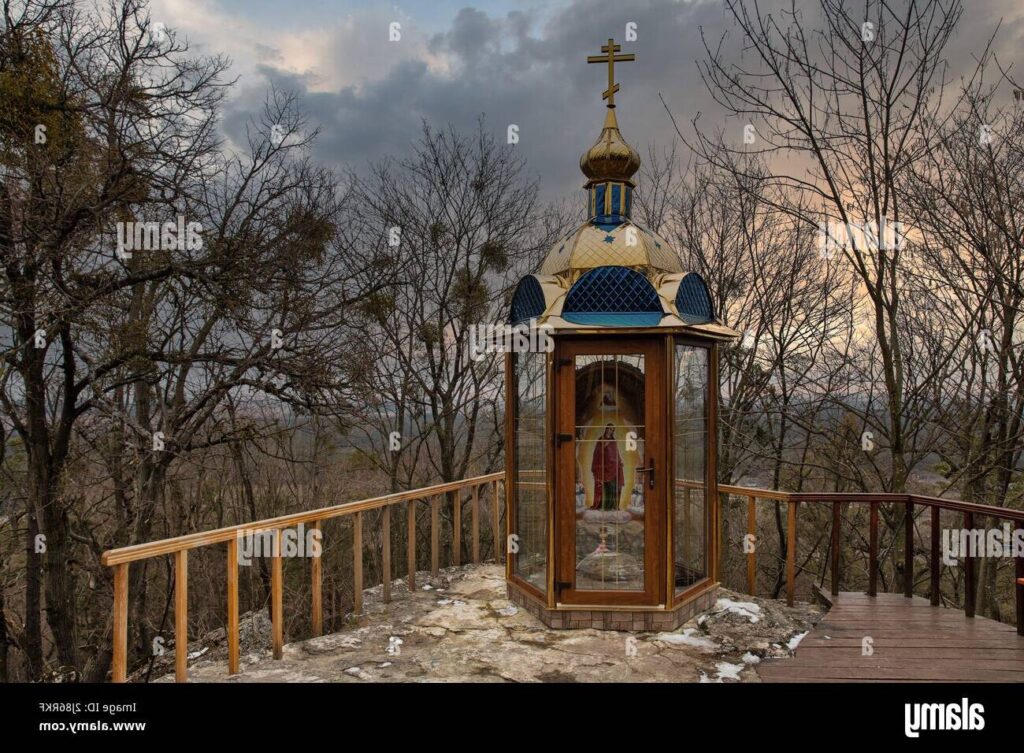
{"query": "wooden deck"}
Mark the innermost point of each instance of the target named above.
(911, 641)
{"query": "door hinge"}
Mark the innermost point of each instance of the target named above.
(561, 585)
(559, 438)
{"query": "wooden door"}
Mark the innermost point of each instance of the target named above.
(611, 471)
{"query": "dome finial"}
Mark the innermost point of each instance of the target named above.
(610, 158)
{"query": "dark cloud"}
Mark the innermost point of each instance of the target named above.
(537, 79)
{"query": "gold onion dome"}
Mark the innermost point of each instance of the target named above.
(610, 271)
(610, 158)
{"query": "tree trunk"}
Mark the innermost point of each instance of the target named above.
(33, 636)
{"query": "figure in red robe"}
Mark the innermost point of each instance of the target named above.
(607, 470)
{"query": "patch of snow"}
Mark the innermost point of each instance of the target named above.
(705, 678)
(427, 587)
(747, 609)
(727, 671)
(383, 665)
(200, 652)
(450, 602)
(702, 619)
(509, 611)
(358, 672)
(795, 640)
(749, 658)
(687, 638)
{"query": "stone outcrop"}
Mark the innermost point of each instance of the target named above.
(460, 627)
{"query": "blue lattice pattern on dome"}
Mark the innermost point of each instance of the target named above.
(527, 302)
(693, 299)
(612, 295)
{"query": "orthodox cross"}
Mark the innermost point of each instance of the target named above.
(611, 59)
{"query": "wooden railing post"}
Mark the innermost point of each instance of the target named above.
(968, 569)
(316, 579)
(873, 551)
(752, 539)
(1020, 595)
(357, 563)
(936, 559)
(119, 666)
(410, 544)
(791, 554)
(276, 599)
(1018, 565)
(435, 535)
(475, 513)
(385, 535)
(232, 627)
(499, 549)
(181, 615)
(457, 528)
(837, 521)
(908, 550)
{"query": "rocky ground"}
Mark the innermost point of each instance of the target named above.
(459, 627)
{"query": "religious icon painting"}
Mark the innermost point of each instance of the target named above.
(609, 431)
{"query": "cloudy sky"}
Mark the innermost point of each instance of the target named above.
(515, 61)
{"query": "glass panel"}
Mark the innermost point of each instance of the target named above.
(689, 532)
(530, 460)
(609, 478)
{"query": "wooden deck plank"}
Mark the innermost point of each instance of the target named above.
(911, 641)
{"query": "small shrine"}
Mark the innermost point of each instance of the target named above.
(611, 433)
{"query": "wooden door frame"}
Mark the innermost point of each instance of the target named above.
(711, 521)
(654, 349)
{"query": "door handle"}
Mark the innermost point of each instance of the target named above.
(650, 472)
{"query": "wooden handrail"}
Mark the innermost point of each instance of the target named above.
(120, 559)
(744, 491)
(968, 509)
(218, 535)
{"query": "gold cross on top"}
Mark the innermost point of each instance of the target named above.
(611, 59)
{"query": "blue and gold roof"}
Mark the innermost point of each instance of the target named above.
(610, 271)
(598, 244)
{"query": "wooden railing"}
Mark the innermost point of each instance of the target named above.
(179, 546)
(936, 504)
(120, 559)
